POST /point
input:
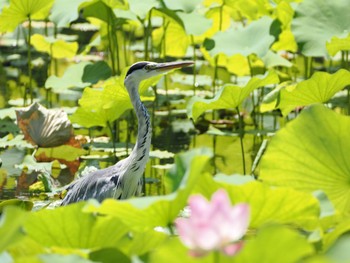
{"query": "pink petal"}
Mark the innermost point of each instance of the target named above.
(199, 206)
(221, 202)
(240, 217)
(232, 249)
(185, 231)
(207, 238)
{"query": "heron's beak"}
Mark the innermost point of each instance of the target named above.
(164, 67)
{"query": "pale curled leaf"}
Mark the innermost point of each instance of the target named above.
(43, 127)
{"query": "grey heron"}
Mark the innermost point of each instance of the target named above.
(123, 179)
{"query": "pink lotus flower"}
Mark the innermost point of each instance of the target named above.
(214, 225)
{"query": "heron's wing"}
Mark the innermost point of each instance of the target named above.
(100, 184)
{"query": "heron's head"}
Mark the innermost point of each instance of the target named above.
(144, 70)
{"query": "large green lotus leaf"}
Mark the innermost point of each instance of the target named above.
(275, 243)
(337, 44)
(230, 96)
(31, 165)
(310, 154)
(316, 22)
(96, 72)
(11, 221)
(63, 152)
(148, 212)
(98, 107)
(71, 78)
(57, 258)
(65, 11)
(20, 10)
(200, 27)
(143, 242)
(108, 255)
(277, 205)
(319, 88)
(331, 237)
(172, 36)
(184, 5)
(57, 48)
(141, 8)
(173, 251)
(252, 39)
(70, 227)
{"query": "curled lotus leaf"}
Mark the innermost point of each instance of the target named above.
(44, 127)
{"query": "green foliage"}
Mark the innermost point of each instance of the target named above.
(20, 11)
(230, 96)
(320, 88)
(253, 39)
(323, 134)
(313, 29)
(298, 189)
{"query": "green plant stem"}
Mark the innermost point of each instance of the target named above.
(216, 257)
(221, 17)
(194, 65)
(29, 54)
(241, 136)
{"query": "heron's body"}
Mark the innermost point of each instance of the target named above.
(123, 179)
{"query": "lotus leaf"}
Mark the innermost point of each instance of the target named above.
(20, 10)
(57, 48)
(309, 154)
(319, 88)
(316, 22)
(230, 96)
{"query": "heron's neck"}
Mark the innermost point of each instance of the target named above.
(140, 152)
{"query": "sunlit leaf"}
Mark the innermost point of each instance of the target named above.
(70, 227)
(20, 10)
(286, 41)
(230, 96)
(23, 204)
(331, 237)
(141, 8)
(71, 78)
(57, 48)
(310, 154)
(98, 107)
(337, 44)
(144, 242)
(64, 152)
(173, 251)
(221, 17)
(267, 205)
(275, 244)
(200, 27)
(313, 29)
(252, 39)
(151, 211)
(319, 88)
(65, 11)
(10, 226)
(173, 37)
